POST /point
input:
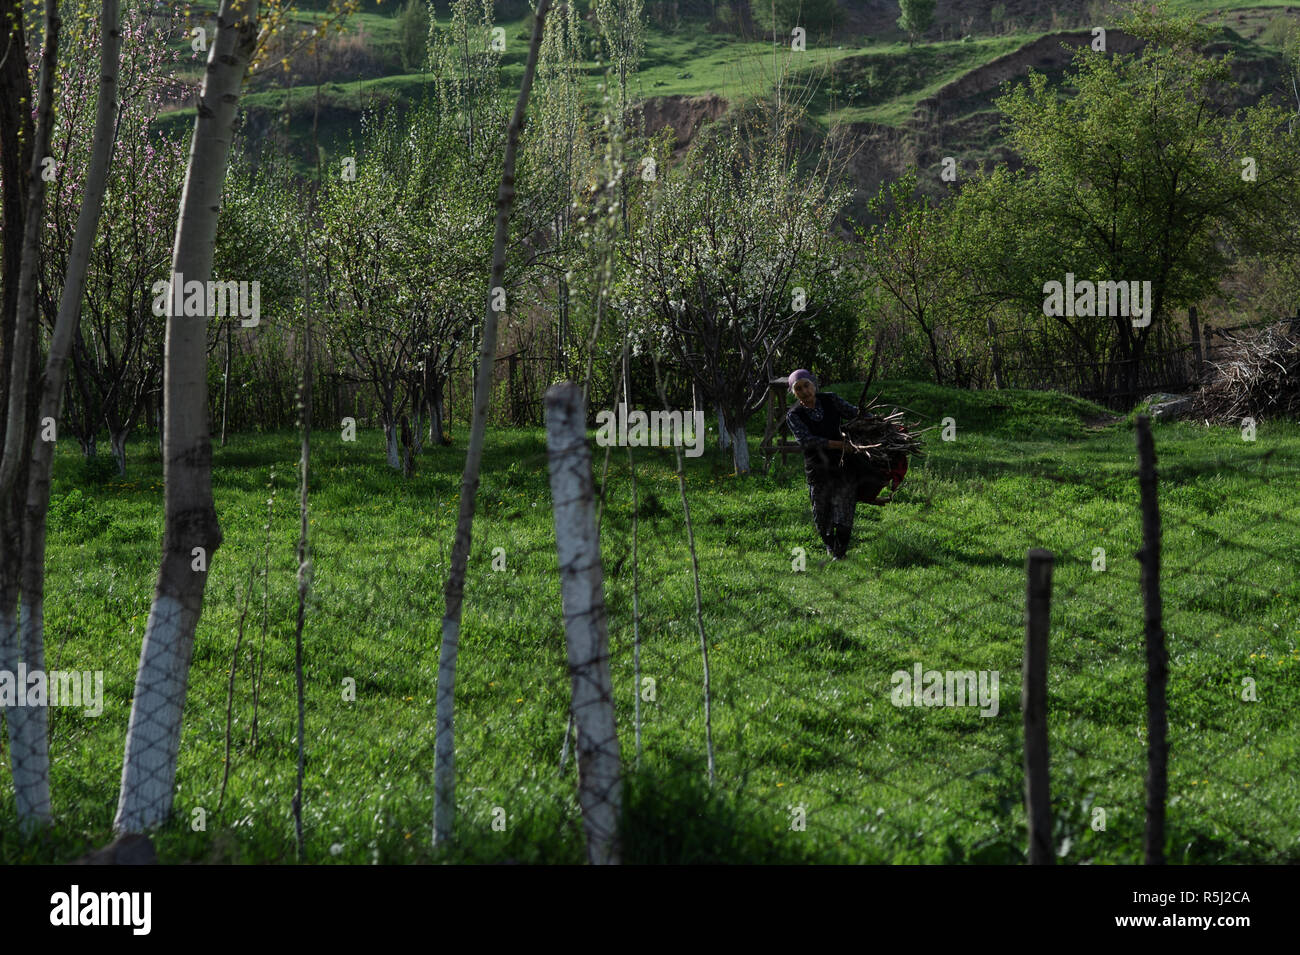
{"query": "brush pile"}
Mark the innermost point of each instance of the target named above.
(1256, 377)
(877, 441)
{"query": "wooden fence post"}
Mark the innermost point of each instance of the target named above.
(1033, 705)
(1157, 677)
(582, 592)
(1196, 338)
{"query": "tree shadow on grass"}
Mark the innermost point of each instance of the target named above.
(673, 817)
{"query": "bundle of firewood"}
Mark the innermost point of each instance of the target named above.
(879, 438)
(1257, 377)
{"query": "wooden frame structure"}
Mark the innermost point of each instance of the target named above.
(776, 391)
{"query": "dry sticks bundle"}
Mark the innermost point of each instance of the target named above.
(879, 438)
(1258, 377)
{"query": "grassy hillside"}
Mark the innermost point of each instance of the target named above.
(862, 73)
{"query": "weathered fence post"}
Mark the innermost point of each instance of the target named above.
(1033, 705)
(582, 592)
(1157, 677)
(1195, 327)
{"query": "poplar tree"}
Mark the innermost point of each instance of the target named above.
(30, 763)
(29, 727)
(191, 533)
(558, 157)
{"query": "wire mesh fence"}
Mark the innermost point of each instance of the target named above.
(805, 709)
(866, 709)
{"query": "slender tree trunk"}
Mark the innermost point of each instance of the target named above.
(1139, 354)
(1122, 379)
(585, 628)
(225, 386)
(695, 573)
(996, 349)
(52, 388)
(636, 581)
(724, 436)
(1157, 677)
(192, 533)
(740, 449)
(436, 427)
(1033, 705)
(390, 440)
(304, 552)
(1196, 340)
(408, 448)
(16, 135)
(20, 408)
(934, 355)
(562, 328)
(444, 798)
(636, 610)
(29, 754)
(117, 440)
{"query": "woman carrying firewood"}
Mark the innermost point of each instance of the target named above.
(815, 422)
(836, 480)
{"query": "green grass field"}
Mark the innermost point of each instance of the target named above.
(801, 662)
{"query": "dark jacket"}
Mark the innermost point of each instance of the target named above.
(819, 460)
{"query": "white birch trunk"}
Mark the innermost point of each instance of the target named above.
(586, 633)
(153, 735)
(724, 437)
(444, 776)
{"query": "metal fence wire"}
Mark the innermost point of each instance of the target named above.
(869, 710)
(799, 709)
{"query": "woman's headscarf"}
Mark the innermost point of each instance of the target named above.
(799, 373)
